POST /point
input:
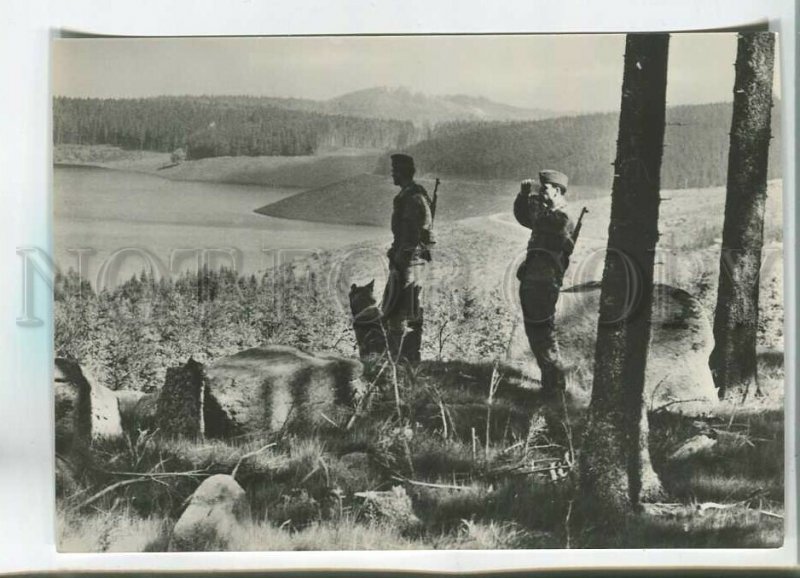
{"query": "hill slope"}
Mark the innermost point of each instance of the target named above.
(366, 200)
(695, 155)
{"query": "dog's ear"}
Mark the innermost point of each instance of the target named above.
(353, 287)
(371, 285)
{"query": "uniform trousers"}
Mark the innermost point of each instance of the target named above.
(538, 292)
(403, 311)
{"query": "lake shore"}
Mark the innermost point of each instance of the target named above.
(299, 172)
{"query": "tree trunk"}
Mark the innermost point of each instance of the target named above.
(733, 360)
(615, 461)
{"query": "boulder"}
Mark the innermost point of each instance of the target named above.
(393, 507)
(677, 377)
(277, 388)
(215, 511)
(85, 410)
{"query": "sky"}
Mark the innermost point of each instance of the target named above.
(580, 73)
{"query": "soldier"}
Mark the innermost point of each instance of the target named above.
(541, 275)
(410, 250)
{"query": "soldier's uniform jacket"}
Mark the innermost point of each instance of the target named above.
(411, 226)
(550, 244)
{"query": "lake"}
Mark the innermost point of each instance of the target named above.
(126, 219)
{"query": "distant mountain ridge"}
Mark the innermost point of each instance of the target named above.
(400, 103)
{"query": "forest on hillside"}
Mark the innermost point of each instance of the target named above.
(695, 147)
(213, 127)
(695, 155)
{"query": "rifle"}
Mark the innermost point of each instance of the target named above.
(573, 238)
(578, 226)
(426, 252)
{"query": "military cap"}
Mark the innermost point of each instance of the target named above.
(402, 161)
(554, 178)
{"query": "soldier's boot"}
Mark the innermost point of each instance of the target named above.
(553, 397)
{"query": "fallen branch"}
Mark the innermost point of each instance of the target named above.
(192, 473)
(329, 420)
(660, 508)
(250, 455)
(715, 506)
(108, 490)
(429, 484)
(674, 402)
(520, 470)
(514, 446)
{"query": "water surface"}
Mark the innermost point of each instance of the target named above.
(119, 215)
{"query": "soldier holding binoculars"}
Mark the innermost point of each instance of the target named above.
(549, 248)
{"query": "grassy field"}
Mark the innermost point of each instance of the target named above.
(480, 474)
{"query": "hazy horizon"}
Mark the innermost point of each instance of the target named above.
(551, 72)
(334, 97)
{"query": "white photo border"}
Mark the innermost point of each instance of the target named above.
(27, 525)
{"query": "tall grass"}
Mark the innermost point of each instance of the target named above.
(302, 490)
(115, 530)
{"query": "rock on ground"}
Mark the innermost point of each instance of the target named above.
(677, 365)
(215, 511)
(85, 410)
(280, 387)
(393, 507)
(697, 445)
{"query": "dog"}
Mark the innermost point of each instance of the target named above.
(367, 321)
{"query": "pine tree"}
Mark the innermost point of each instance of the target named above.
(733, 360)
(615, 462)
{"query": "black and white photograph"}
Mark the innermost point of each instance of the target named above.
(418, 292)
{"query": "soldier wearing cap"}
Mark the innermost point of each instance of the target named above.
(410, 250)
(549, 248)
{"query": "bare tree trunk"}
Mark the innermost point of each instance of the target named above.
(733, 360)
(615, 460)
